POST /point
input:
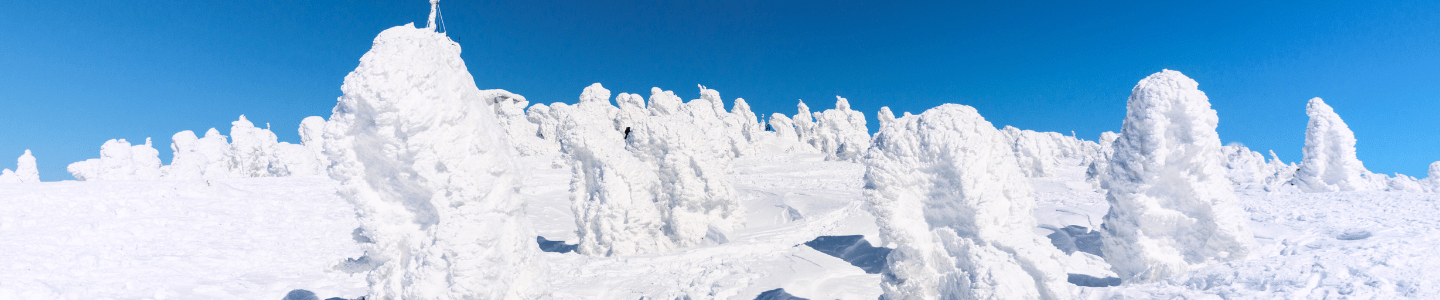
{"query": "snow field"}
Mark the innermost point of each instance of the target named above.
(220, 239)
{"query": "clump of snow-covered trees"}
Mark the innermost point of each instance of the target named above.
(25, 170)
(419, 151)
(253, 152)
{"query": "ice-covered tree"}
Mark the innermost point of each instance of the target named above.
(419, 152)
(946, 191)
(119, 161)
(665, 186)
(1171, 206)
(25, 170)
(1330, 163)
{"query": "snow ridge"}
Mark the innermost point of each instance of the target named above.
(947, 194)
(1171, 207)
(420, 153)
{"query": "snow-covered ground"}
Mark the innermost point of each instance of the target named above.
(262, 238)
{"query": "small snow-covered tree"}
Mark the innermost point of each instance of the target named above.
(1171, 206)
(945, 189)
(25, 170)
(1330, 163)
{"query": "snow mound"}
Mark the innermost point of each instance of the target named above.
(946, 192)
(420, 153)
(119, 161)
(1330, 164)
(664, 186)
(25, 170)
(1171, 207)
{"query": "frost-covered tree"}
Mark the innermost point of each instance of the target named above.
(664, 186)
(1171, 206)
(119, 161)
(1431, 183)
(945, 189)
(25, 170)
(418, 150)
(1330, 163)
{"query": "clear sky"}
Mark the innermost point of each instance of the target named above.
(76, 73)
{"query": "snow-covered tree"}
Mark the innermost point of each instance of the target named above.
(1330, 163)
(1171, 206)
(419, 152)
(25, 170)
(945, 190)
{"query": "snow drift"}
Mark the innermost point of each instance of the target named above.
(946, 192)
(1171, 206)
(420, 153)
(25, 170)
(662, 185)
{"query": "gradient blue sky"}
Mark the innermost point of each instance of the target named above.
(74, 74)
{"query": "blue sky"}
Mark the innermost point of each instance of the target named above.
(74, 74)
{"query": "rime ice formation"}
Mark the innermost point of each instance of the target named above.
(945, 189)
(250, 149)
(1248, 169)
(254, 153)
(25, 170)
(666, 185)
(524, 134)
(1330, 163)
(1171, 206)
(119, 161)
(840, 132)
(1040, 153)
(419, 152)
(1431, 183)
(198, 158)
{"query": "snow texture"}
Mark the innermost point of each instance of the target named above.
(1171, 207)
(947, 194)
(1330, 164)
(418, 150)
(25, 170)
(664, 186)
